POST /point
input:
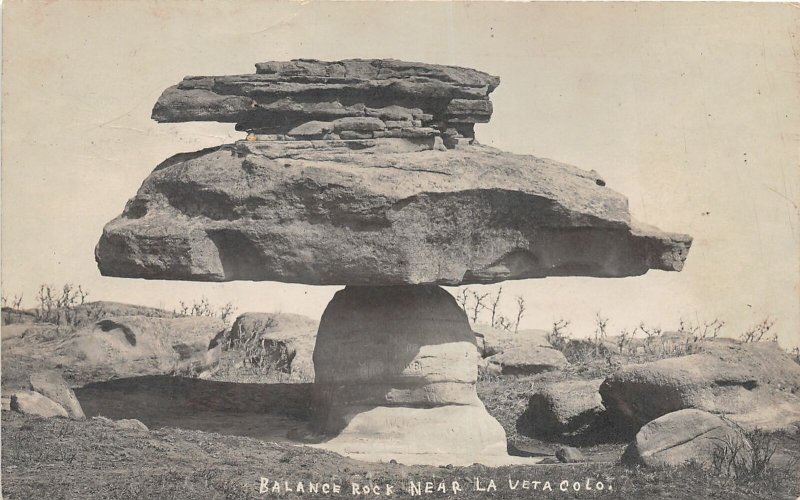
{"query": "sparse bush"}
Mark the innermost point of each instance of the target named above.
(11, 307)
(475, 304)
(748, 458)
(60, 308)
(203, 308)
(558, 336)
(759, 331)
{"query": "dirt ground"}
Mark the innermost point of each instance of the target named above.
(217, 440)
(59, 458)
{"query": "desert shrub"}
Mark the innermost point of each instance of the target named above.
(748, 458)
(759, 332)
(476, 304)
(582, 351)
(558, 336)
(11, 308)
(60, 306)
(254, 350)
(204, 308)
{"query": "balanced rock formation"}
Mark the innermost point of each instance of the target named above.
(754, 385)
(366, 173)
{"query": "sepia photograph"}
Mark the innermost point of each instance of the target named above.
(364, 249)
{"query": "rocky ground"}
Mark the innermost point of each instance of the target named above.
(214, 432)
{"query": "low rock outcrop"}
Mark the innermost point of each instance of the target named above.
(114, 347)
(755, 385)
(682, 436)
(493, 341)
(564, 408)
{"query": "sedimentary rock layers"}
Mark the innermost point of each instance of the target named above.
(321, 212)
(283, 97)
(396, 368)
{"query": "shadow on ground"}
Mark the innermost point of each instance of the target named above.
(269, 412)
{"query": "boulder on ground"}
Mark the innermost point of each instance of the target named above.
(567, 407)
(131, 423)
(569, 455)
(51, 384)
(755, 385)
(33, 403)
(516, 353)
(125, 423)
(493, 341)
(526, 360)
(682, 436)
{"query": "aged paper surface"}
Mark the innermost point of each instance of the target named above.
(692, 111)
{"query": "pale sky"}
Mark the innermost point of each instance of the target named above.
(690, 110)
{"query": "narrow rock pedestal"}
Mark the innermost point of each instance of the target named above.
(396, 368)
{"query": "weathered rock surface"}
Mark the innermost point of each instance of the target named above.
(523, 352)
(567, 407)
(526, 360)
(283, 96)
(33, 403)
(396, 369)
(51, 384)
(124, 423)
(332, 215)
(569, 455)
(679, 437)
(755, 385)
(114, 347)
(493, 341)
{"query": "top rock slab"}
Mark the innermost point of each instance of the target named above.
(284, 95)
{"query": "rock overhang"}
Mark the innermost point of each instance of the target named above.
(332, 215)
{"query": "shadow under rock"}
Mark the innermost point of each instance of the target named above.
(269, 412)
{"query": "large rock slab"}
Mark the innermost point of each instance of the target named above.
(755, 385)
(493, 341)
(33, 403)
(51, 384)
(680, 437)
(526, 360)
(330, 215)
(284, 95)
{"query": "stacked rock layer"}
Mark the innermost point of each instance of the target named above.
(365, 173)
(350, 99)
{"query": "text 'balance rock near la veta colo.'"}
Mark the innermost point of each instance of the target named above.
(367, 173)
